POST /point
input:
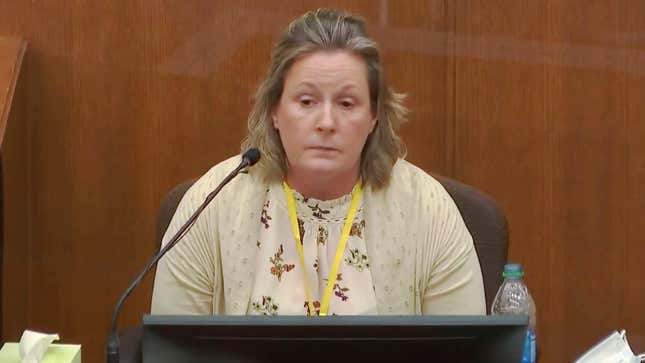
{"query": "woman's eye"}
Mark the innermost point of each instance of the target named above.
(346, 103)
(306, 102)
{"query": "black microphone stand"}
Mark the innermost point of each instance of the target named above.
(249, 158)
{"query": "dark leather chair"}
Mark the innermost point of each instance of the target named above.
(483, 217)
(487, 224)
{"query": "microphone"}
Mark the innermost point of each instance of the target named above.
(249, 158)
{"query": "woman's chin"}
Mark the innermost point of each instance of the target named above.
(323, 168)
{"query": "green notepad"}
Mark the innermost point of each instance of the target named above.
(56, 353)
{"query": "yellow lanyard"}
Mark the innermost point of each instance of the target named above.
(333, 273)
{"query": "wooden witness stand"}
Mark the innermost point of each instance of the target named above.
(12, 52)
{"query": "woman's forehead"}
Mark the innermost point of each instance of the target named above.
(340, 68)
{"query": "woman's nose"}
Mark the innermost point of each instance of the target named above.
(326, 120)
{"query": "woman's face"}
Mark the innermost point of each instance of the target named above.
(324, 114)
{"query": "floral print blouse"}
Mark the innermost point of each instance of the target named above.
(279, 286)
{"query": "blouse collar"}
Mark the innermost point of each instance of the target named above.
(327, 210)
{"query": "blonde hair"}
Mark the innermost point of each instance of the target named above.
(326, 29)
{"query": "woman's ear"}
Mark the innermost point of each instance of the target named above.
(274, 120)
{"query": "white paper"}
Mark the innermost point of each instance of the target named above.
(33, 345)
(613, 349)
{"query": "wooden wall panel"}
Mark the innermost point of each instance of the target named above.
(15, 222)
(502, 140)
(12, 52)
(589, 180)
(546, 121)
(630, 39)
(418, 59)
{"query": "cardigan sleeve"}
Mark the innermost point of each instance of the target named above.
(454, 283)
(186, 276)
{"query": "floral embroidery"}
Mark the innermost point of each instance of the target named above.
(318, 227)
(266, 307)
(323, 234)
(301, 229)
(357, 229)
(339, 290)
(278, 266)
(316, 305)
(357, 259)
(317, 211)
(265, 217)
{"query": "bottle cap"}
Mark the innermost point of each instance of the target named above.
(513, 271)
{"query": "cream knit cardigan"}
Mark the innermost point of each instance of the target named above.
(422, 257)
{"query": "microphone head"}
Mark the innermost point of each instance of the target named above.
(252, 155)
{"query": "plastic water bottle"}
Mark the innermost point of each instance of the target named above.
(513, 298)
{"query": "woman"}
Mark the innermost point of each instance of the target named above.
(332, 220)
